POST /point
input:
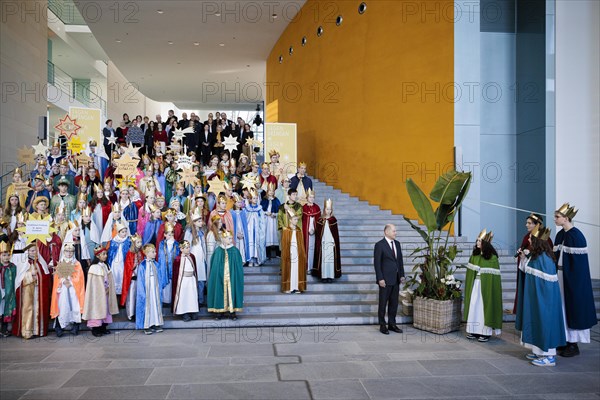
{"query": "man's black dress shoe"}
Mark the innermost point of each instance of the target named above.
(384, 330)
(394, 328)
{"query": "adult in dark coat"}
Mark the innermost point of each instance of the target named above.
(389, 271)
(207, 141)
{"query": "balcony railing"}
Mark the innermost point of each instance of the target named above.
(66, 11)
(75, 91)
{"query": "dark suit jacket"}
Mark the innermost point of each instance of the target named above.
(388, 267)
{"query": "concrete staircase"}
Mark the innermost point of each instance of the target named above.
(351, 300)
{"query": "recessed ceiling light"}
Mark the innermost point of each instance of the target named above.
(222, 44)
(170, 42)
(217, 14)
(196, 43)
(118, 40)
(160, 11)
(274, 16)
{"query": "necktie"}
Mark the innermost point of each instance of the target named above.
(394, 249)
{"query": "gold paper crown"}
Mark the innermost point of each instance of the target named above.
(226, 234)
(215, 218)
(73, 224)
(115, 155)
(48, 182)
(184, 245)
(64, 162)
(271, 187)
(221, 197)
(69, 246)
(253, 192)
(170, 211)
(264, 166)
(180, 185)
(87, 212)
(273, 153)
(93, 143)
(42, 162)
(56, 143)
(120, 226)
(108, 179)
(153, 208)
(301, 164)
(135, 237)
(150, 167)
(237, 197)
(329, 203)
(486, 236)
(196, 215)
(541, 232)
(5, 247)
(169, 227)
(310, 192)
(98, 188)
(18, 171)
(568, 211)
(40, 199)
(116, 207)
(40, 177)
(535, 218)
(22, 217)
(82, 196)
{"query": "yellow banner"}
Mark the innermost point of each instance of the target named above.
(282, 137)
(91, 124)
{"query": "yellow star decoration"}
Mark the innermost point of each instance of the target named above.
(230, 143)
(26, 156)
(68, 126)
(43, 234)
(64, 270)
(21, 188)
(40, 148)
(188, 177)
(126, 165)
(216, 186)
(75, 144)
(249, 181)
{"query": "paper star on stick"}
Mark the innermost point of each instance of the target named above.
(112, 139)
(40, 148)
(64, 270)
(179, 134)
(188, 177)
(68, 126)
(184, 162)
(249, 181)
(126, 181)
(126, 165)
(230, 143)
(75, 145)
(83, 159)
(38, 229)
(27, 155)
(132, 151)
(216, 186)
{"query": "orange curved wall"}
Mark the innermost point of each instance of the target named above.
(372, 98)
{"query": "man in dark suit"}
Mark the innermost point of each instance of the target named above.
(207, 141)
(389, 272)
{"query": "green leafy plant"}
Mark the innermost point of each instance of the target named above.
(434, 273)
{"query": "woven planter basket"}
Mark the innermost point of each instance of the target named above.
(437, 316)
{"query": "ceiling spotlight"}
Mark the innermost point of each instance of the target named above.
(319, 31)
(170, 42)
(196, 43)
(291, 50)
(118, 40)
(217, 14)
(274, 16)
(304, 41)
(160, 11)
(222, 44)
(280, 59)
(339, 20)
(362, 8)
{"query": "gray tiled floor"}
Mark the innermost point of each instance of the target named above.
(350, 362)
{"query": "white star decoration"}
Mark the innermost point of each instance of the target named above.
(39, 148)
(230, 143)
(112, 139)
(179, 134)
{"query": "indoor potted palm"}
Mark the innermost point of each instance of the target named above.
(437, 294)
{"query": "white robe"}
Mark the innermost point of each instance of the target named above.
(188, 288)
(327, 253)
(153, 309)
(294, 262)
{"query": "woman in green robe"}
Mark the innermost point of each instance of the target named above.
(226, 280)
(483, 291)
